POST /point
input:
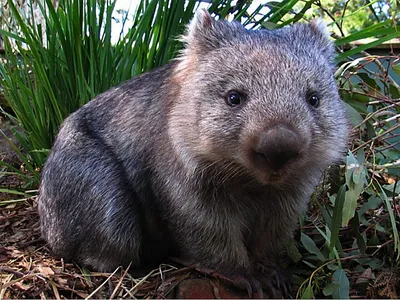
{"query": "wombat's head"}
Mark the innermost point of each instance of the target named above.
(263, 101)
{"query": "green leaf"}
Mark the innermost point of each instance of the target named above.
(355, 225)
(337, 216)
(310, 246)
(14, 192)
(368, 80)
(340, 278)
(370, 31)
(330, 288)
(396, 68)
(327, 217)
(293, 252)
(353, 114)
(355, 180)
(366, 46)
(392, 221)
(308, 293)
(311, 265)
(394, 90)
(389, 188)
(8, 202)
(361, 156)
(372, 203)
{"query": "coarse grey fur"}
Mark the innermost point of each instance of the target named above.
(162, 164)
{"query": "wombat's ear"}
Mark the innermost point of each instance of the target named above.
(199, 33)
(204, 33)
(200, 25)
(196, 40)
(323, 40)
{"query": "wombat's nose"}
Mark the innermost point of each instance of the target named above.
(276, 147)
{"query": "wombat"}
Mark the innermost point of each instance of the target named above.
(211, 157)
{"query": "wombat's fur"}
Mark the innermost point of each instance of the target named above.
(214, 155)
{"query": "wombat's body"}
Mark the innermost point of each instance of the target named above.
(213, 156)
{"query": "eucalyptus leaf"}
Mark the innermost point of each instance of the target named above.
(392, 219)
(355, 225)
(389, 188)
(330, 288)
(310, 246)
(369, 81)
(311, 265)
(293, 252)
(337, 216)
(372, 203)
(394, 90)
(396, 68)
(308, 293)
(340, 278)
(353, 114)
(355, 180)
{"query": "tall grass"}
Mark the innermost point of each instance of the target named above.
(45, 78)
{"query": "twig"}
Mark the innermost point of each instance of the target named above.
(101, 285)
(132, 291)
(371, 115)
(372, 10)
(377, 137)
(16, 273)
(26, 244)
(120, 282)
(355, 257)
(381, 246)
(395, 101)
(318, 3)
(380, 123)
(55, 290)
(343, 13)
(388, 146)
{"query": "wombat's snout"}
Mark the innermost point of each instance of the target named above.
(275, 148)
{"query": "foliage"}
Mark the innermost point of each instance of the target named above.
(352, 225)
(358, 224)
(352, 16)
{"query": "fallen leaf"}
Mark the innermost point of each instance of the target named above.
(45, 271)
(22, 286)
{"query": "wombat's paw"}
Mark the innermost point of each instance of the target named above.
(273, 279)
(240, 279)
(247, 282)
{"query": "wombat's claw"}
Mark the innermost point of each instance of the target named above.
(241, 281)
(274, 281)
(251, 285)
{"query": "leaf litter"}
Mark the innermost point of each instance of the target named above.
(29, 270)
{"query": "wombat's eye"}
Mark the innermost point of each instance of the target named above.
(234, 98)
(313, 99)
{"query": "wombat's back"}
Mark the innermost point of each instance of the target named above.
(95, 201)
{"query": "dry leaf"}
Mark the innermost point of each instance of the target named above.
(45, 271)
